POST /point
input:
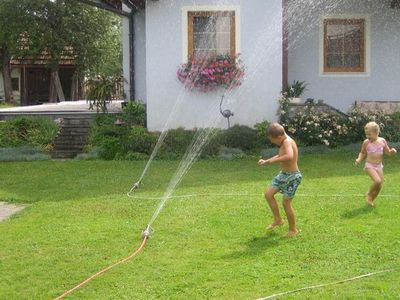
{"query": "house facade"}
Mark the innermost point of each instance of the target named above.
(345, 51)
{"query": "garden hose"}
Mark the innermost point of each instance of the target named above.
(146, 235)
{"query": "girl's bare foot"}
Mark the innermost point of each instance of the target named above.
(275, 224)
(292, 233)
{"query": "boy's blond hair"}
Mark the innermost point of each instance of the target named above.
(275, 130)
(372, 126)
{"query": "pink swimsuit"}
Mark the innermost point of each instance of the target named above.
(378, 149)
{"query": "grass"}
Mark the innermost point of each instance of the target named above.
(81, 221)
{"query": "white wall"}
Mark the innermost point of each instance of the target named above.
(380, 82)
(259, 41)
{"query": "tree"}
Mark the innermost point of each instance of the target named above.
(58, 28)
(87, 31)
(14, 22)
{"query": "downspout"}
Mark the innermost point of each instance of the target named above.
(285, 43)
(131, 56)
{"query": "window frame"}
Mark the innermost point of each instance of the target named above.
(362, 69)
(191, 14)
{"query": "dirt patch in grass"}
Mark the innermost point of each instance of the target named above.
(7, 209)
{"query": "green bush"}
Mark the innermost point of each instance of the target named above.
(311, 126)
(230, 153)
(134, 113)
(138, 140)
(240, 136)
(32, 131)
(262, 140)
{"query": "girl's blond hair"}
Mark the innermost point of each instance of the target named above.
(372, 126)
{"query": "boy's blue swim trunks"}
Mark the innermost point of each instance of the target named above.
(287, 183)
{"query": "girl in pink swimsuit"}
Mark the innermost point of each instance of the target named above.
(372, 149)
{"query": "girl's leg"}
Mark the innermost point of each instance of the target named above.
(377, 180)
(291, 217)
(270, 196)
(379, 187)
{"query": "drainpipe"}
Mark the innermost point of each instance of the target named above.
(285, 43)
(131, 56)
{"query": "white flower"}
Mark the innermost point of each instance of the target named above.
(326, 142)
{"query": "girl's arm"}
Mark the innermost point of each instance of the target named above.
(388, 150)
(363, 153)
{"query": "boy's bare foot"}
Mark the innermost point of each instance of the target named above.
(370, 202)
(275, 224)
(292, 233)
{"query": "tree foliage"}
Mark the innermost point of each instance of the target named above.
(91, 35)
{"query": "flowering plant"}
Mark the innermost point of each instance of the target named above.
(207, 74)
(312, 126)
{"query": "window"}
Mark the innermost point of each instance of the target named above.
(15, 84)
(211, 33)
(344, 45)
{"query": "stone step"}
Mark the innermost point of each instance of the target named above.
(72, 137)
(64, 154)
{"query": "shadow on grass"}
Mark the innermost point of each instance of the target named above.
(258, 244)
(357, 212)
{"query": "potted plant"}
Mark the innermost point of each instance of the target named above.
(100, 91)
(295, 90)
(210, 73)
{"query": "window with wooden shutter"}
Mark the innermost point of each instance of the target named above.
(344, 45)
(211, 33)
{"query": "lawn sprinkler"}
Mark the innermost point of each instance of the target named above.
(136, 185)
(147, 232)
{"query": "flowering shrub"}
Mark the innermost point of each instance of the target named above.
(312, 126)
(207, 74)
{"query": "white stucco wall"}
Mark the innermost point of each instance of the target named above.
(259, 41)
(15, 73)
(140, 56)
(379, 82)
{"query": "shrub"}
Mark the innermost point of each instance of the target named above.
(262, 140)
(311, 126)
(134, 113)
(32, 131)
(230, 153)
(177, 141)
(138, 140)
(240, 136)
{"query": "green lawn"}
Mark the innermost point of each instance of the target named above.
(211, 246)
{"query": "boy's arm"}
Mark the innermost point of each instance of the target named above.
(264, 161)
(388, 150)
(363, 153)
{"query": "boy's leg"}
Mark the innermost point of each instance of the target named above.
(291, 217)
(270, 197)
(377, 181)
